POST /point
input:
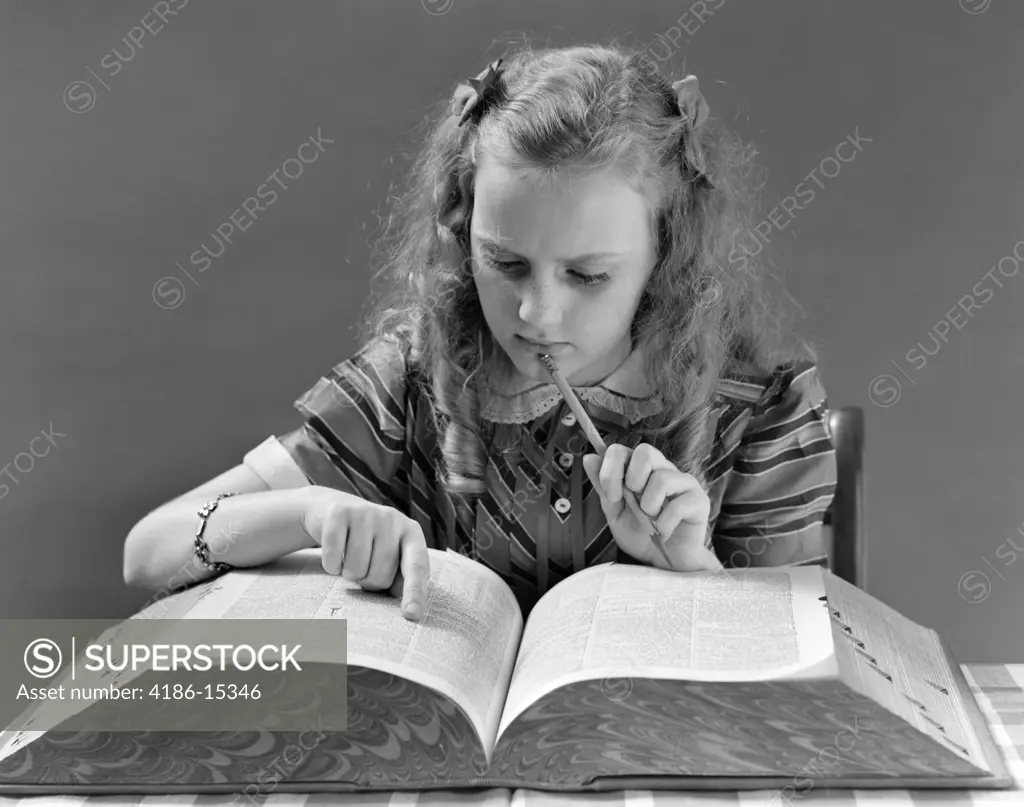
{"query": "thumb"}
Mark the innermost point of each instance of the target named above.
(397, 586)
(592, 466)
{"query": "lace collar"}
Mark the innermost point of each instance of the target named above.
(626, 391)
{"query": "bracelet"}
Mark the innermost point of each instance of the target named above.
(202, 549)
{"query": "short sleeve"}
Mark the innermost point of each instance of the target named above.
(353, 437)
(783, 478)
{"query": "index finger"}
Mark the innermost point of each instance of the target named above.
(414, 566)
(644, 460)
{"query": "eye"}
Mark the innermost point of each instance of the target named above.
(590, 280)
(507, 267)
(501, 266)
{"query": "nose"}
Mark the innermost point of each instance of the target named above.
(540, 306)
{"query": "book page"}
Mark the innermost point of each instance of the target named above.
(616, 621)
(464, 646)
(13, 741)
(919, 685)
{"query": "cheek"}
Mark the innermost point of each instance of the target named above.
(496, 298)
(609, 308)
(604, 319)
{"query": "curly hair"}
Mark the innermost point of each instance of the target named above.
(591, 107)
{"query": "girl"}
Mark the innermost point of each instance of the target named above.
(570, 202)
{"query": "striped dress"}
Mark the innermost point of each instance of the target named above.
(366, 430)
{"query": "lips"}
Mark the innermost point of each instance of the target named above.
(543, 347)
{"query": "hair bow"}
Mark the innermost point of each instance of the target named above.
(691, 100)
(693, 107)
(478, 90)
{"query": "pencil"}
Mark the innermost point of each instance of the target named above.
(595, 440)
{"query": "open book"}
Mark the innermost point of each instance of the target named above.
(622, 677)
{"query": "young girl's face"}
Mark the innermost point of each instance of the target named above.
(560, 266)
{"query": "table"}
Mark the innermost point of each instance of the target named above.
(998, 688)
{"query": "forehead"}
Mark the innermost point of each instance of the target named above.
(570, 213)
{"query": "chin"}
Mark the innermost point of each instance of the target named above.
(531, 367)
(527, 362)
(535, 369)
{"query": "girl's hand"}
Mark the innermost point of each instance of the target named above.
(371, 544)
(677, 504)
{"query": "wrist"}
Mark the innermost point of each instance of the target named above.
(317, 502)
(313, 499)
(686, 553)
(654, 557)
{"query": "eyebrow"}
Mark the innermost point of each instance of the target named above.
(488, 242)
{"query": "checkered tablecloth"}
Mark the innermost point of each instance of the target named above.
(999, 689)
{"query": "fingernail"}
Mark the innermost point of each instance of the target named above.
(414, 609)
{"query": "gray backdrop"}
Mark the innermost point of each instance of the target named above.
(103, 194)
